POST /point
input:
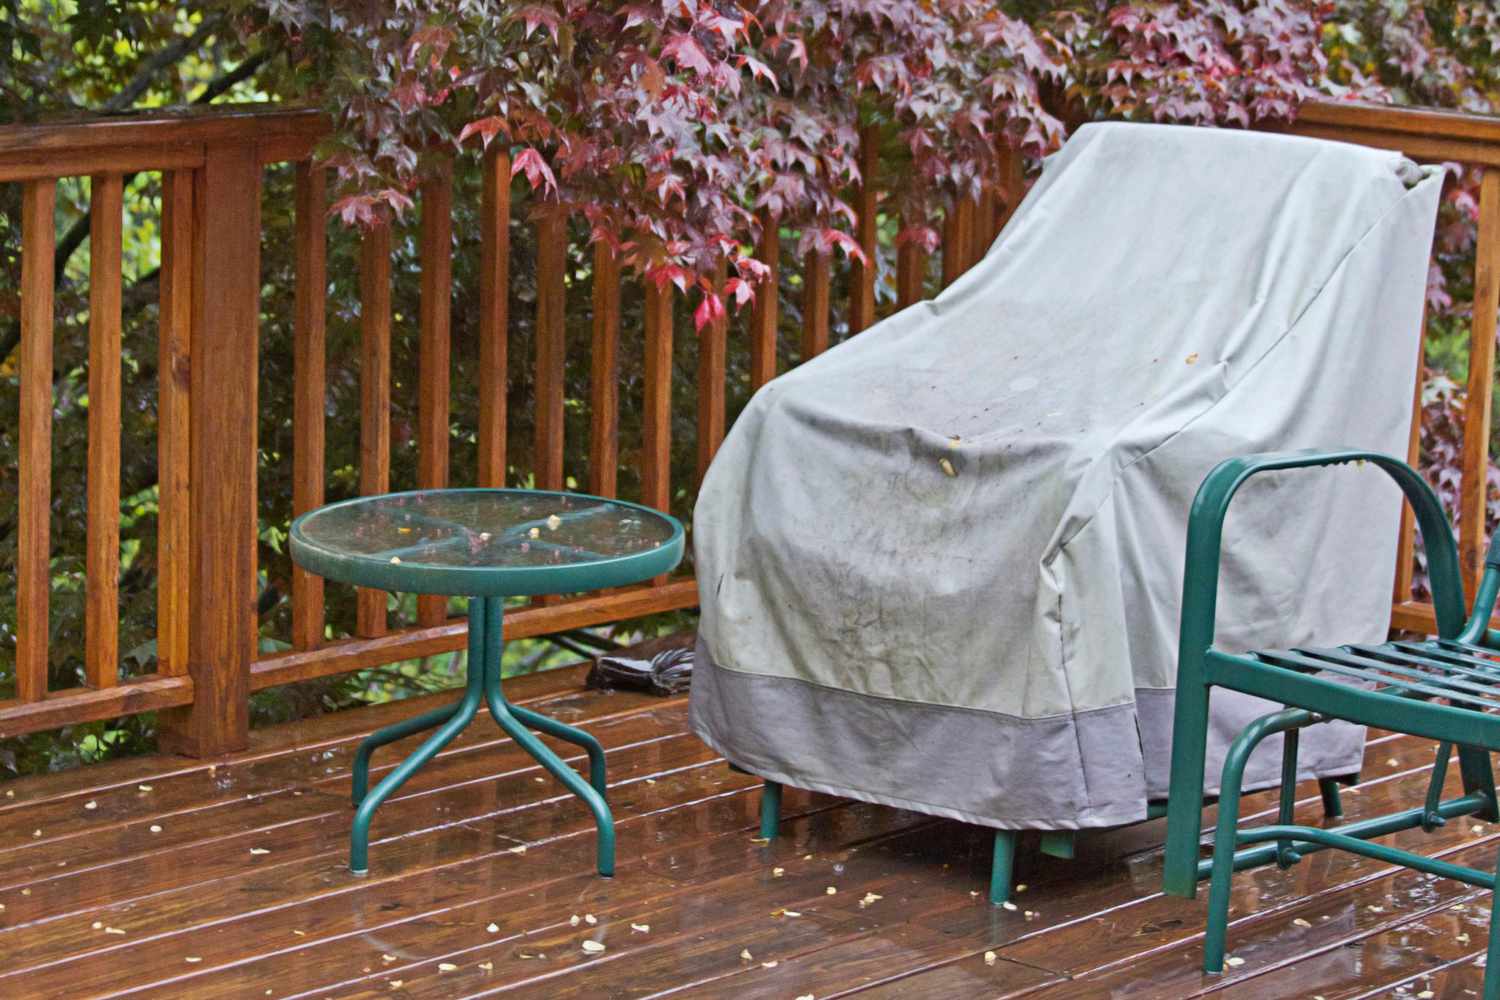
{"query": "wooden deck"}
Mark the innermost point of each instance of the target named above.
(165, 877)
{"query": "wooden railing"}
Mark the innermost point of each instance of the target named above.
(211, 165)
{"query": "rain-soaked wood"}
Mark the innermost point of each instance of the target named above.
(222, 411)
(604, 374)
(1474, 487)
(765, 315)
(551, 331)
(656, 409)
(433, 351)
(862, 273)
(816, 280)
(374, 396)
(911, 274)
(713, 343)
(309, 387)
(34, 469)
(101, 665)
(242, 873)
(494, 316)
(173, 423)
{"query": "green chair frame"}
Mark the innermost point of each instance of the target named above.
(1445, 689)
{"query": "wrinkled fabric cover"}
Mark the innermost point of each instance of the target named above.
(940, 566)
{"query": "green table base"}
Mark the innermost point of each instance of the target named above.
(485, 645)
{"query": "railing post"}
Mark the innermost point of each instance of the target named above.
(222, 455)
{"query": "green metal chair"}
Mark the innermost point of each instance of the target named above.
(1444, 689)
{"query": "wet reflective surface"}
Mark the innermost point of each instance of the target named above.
(485, 528)
(181, 878)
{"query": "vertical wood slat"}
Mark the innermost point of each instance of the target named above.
(102, 608)
(309, 386)
(173, 373)
(1405, 538)
(604, 390)
(765, 315)
(434, 351)
(911, 274)
(33, 553)
(1476, 450)
(815, 301)
(1012, 185)
(985, 217)
(551, 265)
(223, 345)
(656, 431)
(958, 239)
(375, 396)
(862, 290)
(712, 367)
(494, 316)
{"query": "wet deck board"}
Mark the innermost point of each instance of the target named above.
(164, 877)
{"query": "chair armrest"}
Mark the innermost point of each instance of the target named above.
(1206, 529)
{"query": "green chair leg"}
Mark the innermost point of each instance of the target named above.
(770, 809)
(1474, 768)
(1185, 790)
(1287, 805)
(505, 717)
(390, 734)
(1333, 801)
(1002, 868)
(1225, 839)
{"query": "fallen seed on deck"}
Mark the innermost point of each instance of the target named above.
(447, 967)
(831, 890)
(770, 965)
(1234, 962)
(486, 966)
(590, 919)
(144, 788)
(155, 828)
(1010, 906)
(778, 872)
(387, 958)
(593, 947)
(493, 928)
(746, 956)
(91, 804)
(260, 850)
(990, 957)
(641, 928)
(1299, 922)
(193, 958)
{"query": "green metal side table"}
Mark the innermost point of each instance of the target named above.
(485, 545)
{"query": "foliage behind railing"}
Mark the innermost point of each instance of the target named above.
(500, 384)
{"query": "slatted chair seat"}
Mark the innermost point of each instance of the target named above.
(1445, 688)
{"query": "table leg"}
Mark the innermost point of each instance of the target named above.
(454, 718)
(513, 720)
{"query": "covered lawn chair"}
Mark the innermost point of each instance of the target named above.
(938, 565)
(1444, 689)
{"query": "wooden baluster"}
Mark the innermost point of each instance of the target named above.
(1405, 539)
(494, 316)
(551, 266)
(604, 390)
(173, 416)
(766, 310)
(434, 363)
(911, 273)
(712, 349)
(309, 387)
(656, 433)
(952, 249)
(1012, 185)
(1476, 450)
(102, 586)
(862, 284)
(374, 396)
(815, 283)
(33, 546)
(985, 214)
(223, 345)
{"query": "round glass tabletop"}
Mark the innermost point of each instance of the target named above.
(486, 543)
